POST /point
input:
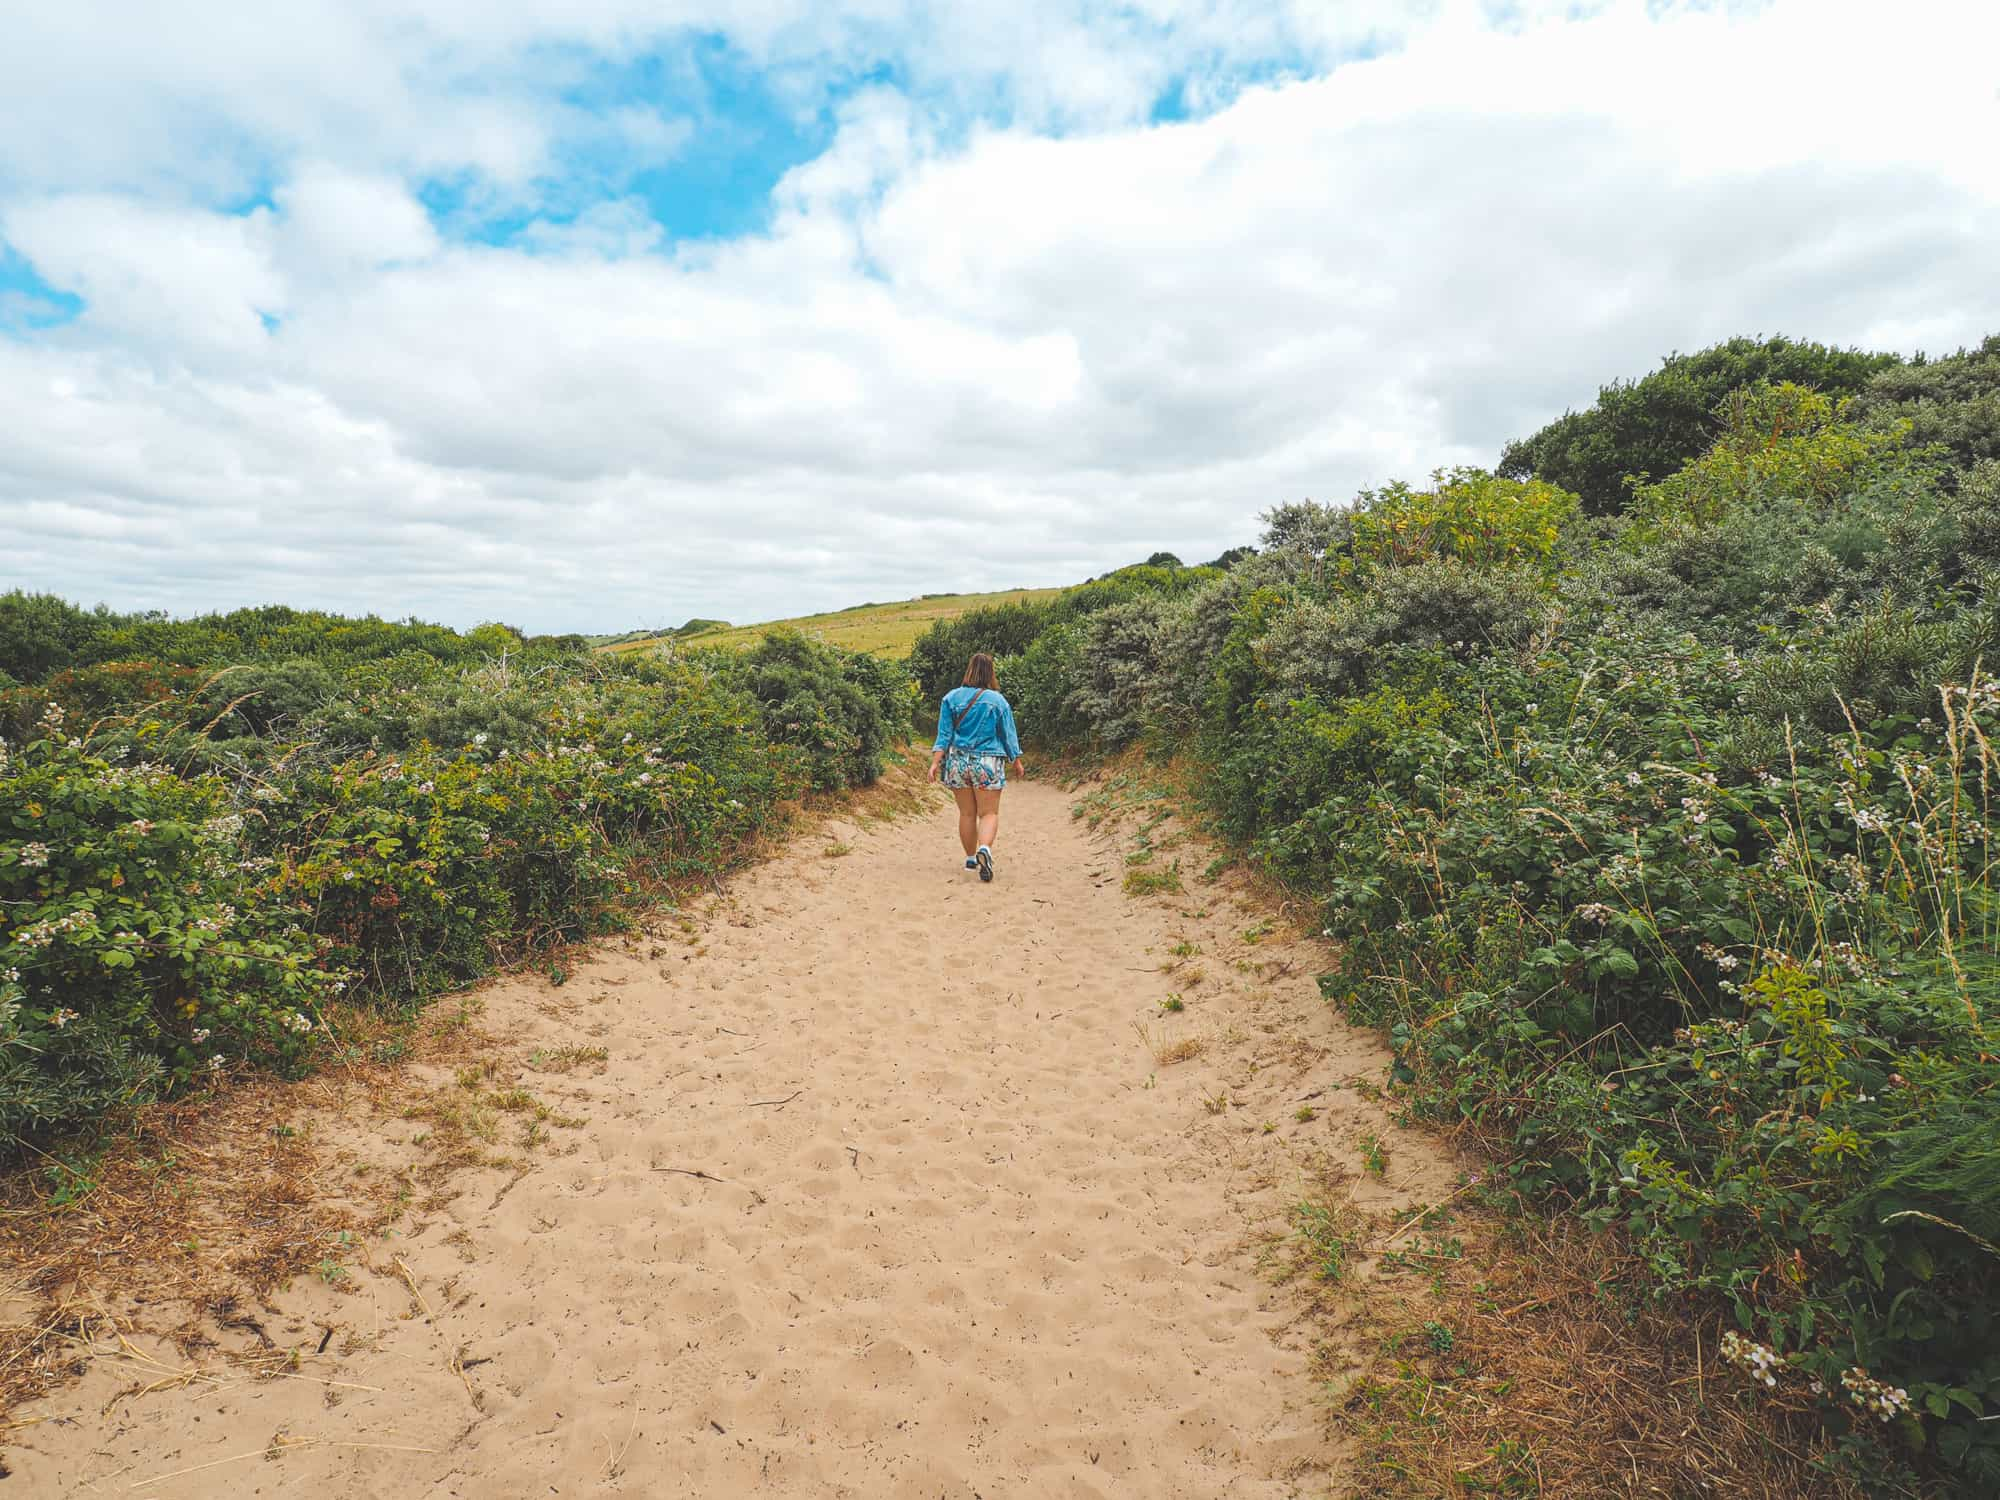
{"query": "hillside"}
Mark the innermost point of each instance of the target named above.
(886, 630)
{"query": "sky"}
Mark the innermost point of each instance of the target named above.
(603, 314)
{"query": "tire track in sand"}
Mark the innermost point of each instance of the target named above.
(959, 1232)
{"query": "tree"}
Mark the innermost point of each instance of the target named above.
(1650, 427)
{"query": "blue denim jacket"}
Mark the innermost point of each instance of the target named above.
(986, 729)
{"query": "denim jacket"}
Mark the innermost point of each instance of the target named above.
(986, 729)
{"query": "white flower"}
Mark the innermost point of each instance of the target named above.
(1633, 778)
(297, 1022)
(62, 1018)
(202, 1034)
(480, 738)
(215, 1063)
(1759, 1359)
(34, 856)
(1871, 1395)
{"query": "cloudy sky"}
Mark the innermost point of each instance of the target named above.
(604, 313)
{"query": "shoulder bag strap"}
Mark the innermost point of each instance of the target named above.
(959, 718)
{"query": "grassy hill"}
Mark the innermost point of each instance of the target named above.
(886, 630)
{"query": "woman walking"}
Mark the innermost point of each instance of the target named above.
(975, 740)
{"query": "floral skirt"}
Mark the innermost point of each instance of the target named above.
(961, 769)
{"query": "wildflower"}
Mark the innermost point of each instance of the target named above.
(215, 1063)
(1594, 911)
(1872, 1395)
(34, 856)
(1633, 778)
(47, 931)
(1726, 962)
(1759, 1359)
(297, 1022)
(480, 738)
(202, 1034)
(62, 1018)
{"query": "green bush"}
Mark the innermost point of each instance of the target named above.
(1951, 403)
(139, 946)
(938, 657)
(1652, 426)
(843, 708)
(393, 820)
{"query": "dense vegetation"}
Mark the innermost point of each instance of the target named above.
(210, 828)
(1654, 821)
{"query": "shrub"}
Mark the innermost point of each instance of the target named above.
(1778, 443)
(1337, 646)
(1650, 427)
(1466, 514)
(1952, 403)
(843, 708)
(938, 657)
(139, 946)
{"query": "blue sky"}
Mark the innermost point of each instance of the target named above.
(613, 313)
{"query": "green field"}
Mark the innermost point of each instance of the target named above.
(883, 629)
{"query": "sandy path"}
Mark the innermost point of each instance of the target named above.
(969, 1237)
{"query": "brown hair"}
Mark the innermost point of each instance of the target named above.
(979, 672)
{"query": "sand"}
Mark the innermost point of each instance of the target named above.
(880, 1191)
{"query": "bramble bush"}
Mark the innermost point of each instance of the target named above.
(138, 950)
(187, 878)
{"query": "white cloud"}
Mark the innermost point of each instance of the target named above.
(959, 359)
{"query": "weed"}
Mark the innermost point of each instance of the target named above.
(1373, 1157)
(1173, 1004)
(1327, 1234)
(1170, 1050)
(1303, 1114)
(837, 851)
(1147, 882)
(562, 1059)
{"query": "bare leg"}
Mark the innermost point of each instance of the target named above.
(988, 798)
(967, 819)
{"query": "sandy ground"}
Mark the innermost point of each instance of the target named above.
(881, 1189)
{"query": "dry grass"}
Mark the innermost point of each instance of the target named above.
(202, 1210)
(882, 629)
(1510, 1363)
(1168, 1050)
